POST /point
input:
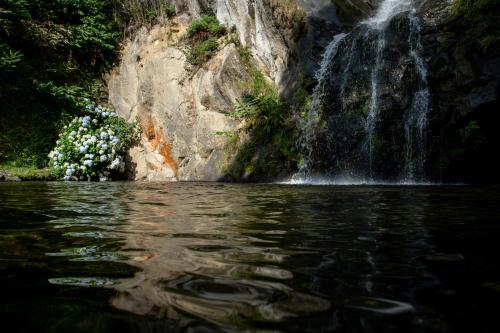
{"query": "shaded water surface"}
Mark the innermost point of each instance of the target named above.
(191, 257)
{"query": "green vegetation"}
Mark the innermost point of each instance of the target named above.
(245, 56)
(231, 136)
(289, 10)
(133, 14)
(53, 54)
(480, 20)
(25, 172)
(92, 147)
(469, 131)
(206, 25)
(204, 33)
(302, 99)
(203, 51)
(271, 127)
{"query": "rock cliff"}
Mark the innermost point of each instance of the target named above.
(179, 110)
(183, 108)
(462, 50)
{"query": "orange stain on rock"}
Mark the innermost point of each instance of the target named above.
(155, 136)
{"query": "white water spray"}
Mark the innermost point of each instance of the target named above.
(386, 11)
(310, 125)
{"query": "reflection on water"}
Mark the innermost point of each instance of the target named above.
(151, 257)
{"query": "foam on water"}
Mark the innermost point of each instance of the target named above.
(348, 181)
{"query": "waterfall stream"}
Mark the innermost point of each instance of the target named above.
(313, 117)
(416, 118)
(354, 102)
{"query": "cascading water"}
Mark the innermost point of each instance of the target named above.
(369, 111)
(416, 118)
(312, 121)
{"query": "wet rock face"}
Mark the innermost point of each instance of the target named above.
(347, 109)
(351, 12)
(465, 81)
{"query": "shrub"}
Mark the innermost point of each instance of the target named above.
(9, 58)
(271, 123)
(133, 14)
(208, 24)
(245, 56)
(261, 101)
(51, 54)
(204, 33)
(92, 147)
(479, 21)
(203, 51)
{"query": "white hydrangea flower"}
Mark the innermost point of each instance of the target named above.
(85, 121)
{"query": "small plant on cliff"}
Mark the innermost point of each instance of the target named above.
(270, 125)
(204, 33)
(206, 24)
(262, 103)
(203, 51)
(92, 147)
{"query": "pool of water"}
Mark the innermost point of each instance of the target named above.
(201, 257)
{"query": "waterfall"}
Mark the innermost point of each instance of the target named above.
(373, 110)
(416, 118)
(310, 124)
(377, 24)
(341, 134)
(386, 11)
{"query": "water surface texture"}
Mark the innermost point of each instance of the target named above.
(194, 257)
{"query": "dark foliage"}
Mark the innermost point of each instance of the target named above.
(52, 55)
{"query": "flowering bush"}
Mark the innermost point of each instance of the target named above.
(92, 147)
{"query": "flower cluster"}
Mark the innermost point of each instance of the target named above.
(92, 146)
